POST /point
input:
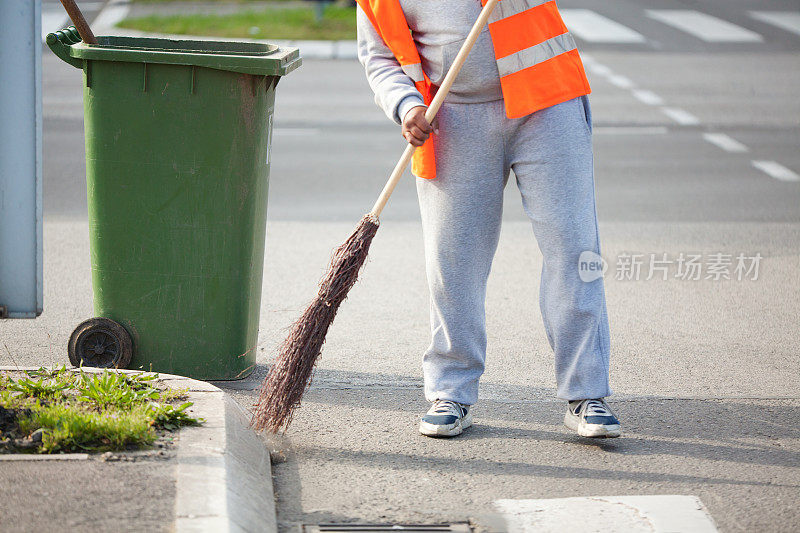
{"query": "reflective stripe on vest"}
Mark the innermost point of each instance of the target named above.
(535, 54)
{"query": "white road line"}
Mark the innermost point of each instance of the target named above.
(785, 20)
(620, 81)
(53, 21)
(599, 69)
(594, 27)
(630, 130)
(775, 170)
(612, 514)
(727, 143)
(682, 117)
(648, 97)
(704, 26)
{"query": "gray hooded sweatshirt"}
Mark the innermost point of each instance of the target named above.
(439, 28)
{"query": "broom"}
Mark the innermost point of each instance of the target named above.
(289, 377)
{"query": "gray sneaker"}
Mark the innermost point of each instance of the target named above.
(445, 419)
(592, 418)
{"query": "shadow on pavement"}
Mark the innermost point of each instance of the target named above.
(353, 452)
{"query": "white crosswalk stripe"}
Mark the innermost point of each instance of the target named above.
(775, 170)
(682, 117)
(630, 130)
(620, 81)
(594, 27)
(599, 69)
(704, 26)
(648, 97)
(785, 20)
(725, 142)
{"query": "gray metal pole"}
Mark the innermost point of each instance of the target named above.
(21, 159)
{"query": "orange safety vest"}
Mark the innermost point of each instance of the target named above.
(536, 57)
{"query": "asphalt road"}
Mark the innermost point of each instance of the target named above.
(706, 372)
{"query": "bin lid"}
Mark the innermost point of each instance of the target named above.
(256, 58)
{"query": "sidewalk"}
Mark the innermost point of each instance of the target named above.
(88, 495)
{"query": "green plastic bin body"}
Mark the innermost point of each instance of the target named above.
(178, 140)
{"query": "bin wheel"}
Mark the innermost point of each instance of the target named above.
(100, 342)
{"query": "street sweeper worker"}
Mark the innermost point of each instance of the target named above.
(519, 103)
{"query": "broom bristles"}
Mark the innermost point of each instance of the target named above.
(290, 376)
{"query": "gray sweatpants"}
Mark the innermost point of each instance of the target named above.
(550, 152)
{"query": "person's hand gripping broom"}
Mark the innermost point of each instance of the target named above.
(289, 377)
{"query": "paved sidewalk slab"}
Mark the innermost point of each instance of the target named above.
(607, 514)
(89, 495)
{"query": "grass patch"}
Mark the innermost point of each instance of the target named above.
(339, 23)
(68, 428)
(53, 411)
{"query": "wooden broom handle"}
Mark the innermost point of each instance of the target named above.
(435, 104)
(80, 23)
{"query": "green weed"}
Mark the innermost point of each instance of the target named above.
(112, 389)
(170, 417)
(59, 372)
(6, 398)
(42, 388)
(170, 394)
(92, 412)
(73, 427)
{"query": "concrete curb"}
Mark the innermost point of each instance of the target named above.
(224, 474)
(114, 12)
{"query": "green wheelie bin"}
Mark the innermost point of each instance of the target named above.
(178, 137)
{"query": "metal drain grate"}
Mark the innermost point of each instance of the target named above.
(379, 528)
